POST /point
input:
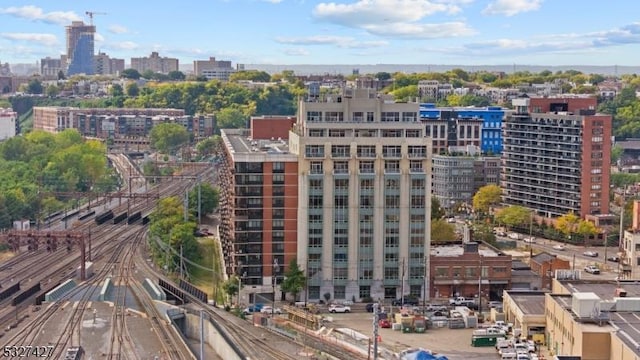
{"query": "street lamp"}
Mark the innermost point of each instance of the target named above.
(276, 269)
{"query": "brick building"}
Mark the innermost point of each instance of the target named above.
(455, 271)
(271, 126)
(544, 265)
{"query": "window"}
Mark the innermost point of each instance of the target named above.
(392, 201)
(342, 184)
(370, 117)
(417, 201)
(391, 273)
(278, 166)
(278, 190)
(392, 116)
(391, 151)
(316, 167)
(366, 201)
(596, 139)
(315, 201)
(392, 133)
(365, 292)
(333, 116)
(341, 242)
(391, 257)
(341, 201)
(366, 151)
(413, 133)
(366, 184)
(417, 183)
(278, 224)
(417, 151)
(315, 184)
(278, 179)
(415, 166)
(339, 292)
(340, 151)
(314, 116)
(392, 166)
(470, 272)
(409, 116)
(442, 271)
(366, 167)
(315, 242)
(392, 184)
(340, 167)
(337, 133)
(314, 151)
(456, 271)
(316, 132)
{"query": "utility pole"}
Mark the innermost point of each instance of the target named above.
(480, 283)
(402, 285)
(181, 264)
(199, 201)
(375, 330)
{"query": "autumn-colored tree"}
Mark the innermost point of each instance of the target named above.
(586, 229)
(568, 223)
(442, 232)
(486, 197)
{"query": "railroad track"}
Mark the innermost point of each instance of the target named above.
(254, 346)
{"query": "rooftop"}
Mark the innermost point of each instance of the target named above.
(606, 290)
(458, 250)
(240, 144)
(530, 302)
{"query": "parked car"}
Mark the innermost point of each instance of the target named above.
(613, 259)
(336, 308)
(268, 310)
(592, 269)
(590, 253)
(559, 247)
(529, 240)
(407, 301)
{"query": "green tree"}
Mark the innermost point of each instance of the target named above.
(208, 146)
(168, 137)
(616, 153)
(486, 197)
(586, 229)
(251, 75)
(132, 89)
(231, 286)
(131, 74)
(406, 93)
(294, 279)
(442, 232)
(176, 75)
(514, 216)
(231, 118)
(382, 76)
(209, 199)
(116, 90)
(149, 74)
(52, 91)
(34, 87)
(437, 212)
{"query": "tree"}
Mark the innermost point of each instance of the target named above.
(616, 153)
(231, 118)
(294, 279)
(251, 75)
(207, 146)
(116, 90)
(148, 74)
(231, 287)
(486, 197)
(514, 216)
(209, 199)
(52, 91)
(168, 137)
(34, 87)
(176, 75)
(61, 75)
(586, 229)
(132, 89)
(442, 231)
(130, 74)
(567, 223)
(437, 212)
(382, 76)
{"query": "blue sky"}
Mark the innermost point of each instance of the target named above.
(465, 32)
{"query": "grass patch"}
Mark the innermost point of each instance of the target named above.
(209, 250)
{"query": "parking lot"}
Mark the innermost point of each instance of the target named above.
(454, 343)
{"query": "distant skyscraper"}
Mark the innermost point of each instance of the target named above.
(80, 48)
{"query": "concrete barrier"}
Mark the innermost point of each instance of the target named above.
(59, 291)
(106, 287)
(154, 291)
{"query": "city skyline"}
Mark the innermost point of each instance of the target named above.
(496, 32)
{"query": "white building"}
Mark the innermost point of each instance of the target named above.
(8, 119)
(630, 259)
(364, 196)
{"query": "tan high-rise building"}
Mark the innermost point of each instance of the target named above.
(213, 69)
(155, 63)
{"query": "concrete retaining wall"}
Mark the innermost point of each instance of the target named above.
(211, 335)
(106, 287)
(59, 291)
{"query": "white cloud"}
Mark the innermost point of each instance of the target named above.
(118, 29)
(273, 1)
(297, 52)
(35, 13)
(124, 45)
(339, 41)
(396, 18)
(44, 39)
(511, 7)
(98, 37)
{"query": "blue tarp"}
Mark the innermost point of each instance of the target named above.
(423, 355)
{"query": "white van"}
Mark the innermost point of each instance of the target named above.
(509, 356)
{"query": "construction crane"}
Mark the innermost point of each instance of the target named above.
(91, 13)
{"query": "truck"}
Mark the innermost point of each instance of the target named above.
(461, 301)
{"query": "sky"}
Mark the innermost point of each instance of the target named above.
(465, 32)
